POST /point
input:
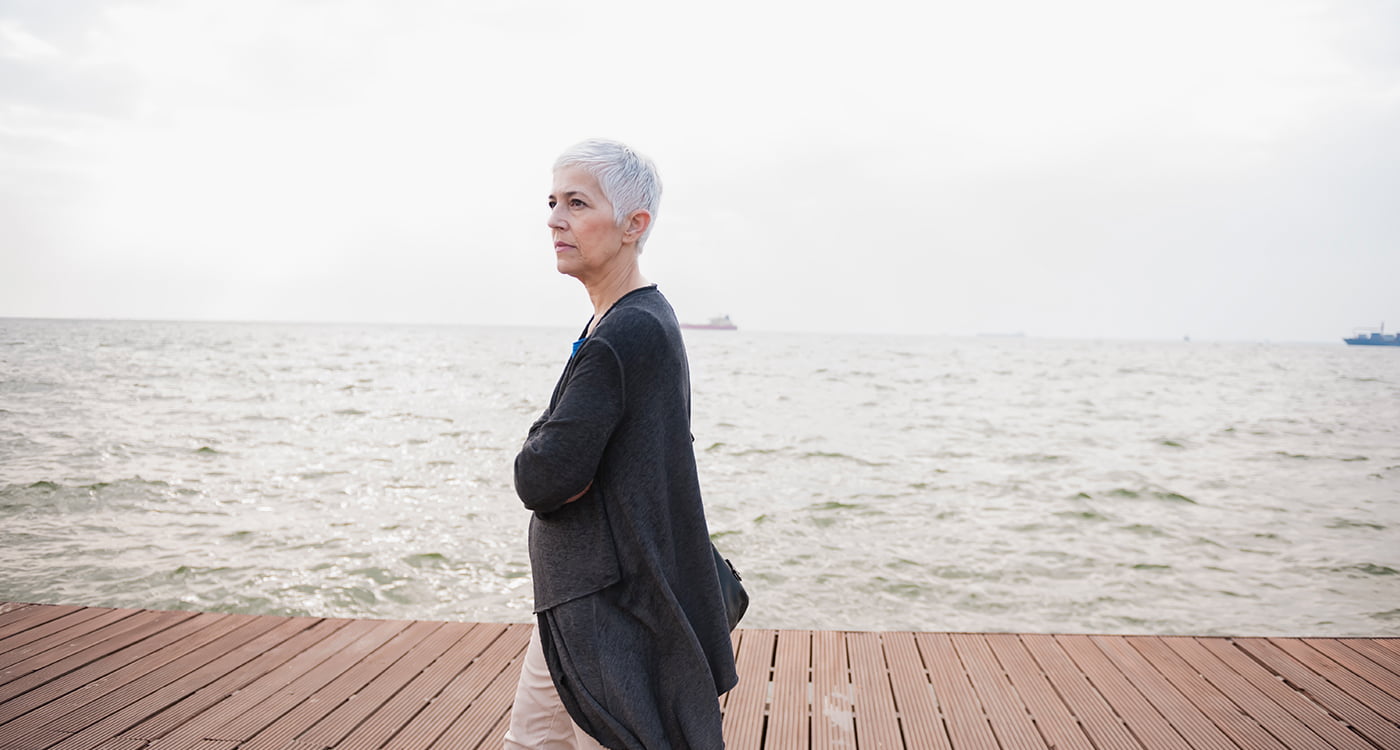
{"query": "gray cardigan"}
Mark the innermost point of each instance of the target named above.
(626, 593)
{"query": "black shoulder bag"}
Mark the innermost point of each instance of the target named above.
(736, 599)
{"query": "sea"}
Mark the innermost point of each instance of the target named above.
(857, 482)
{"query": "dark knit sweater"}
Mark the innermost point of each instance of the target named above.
(626, 593)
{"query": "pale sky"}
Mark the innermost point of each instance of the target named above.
(1224, 169)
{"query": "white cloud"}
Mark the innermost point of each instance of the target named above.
(928, 164)
(16, 43)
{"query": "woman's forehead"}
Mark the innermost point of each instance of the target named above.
(575, 179)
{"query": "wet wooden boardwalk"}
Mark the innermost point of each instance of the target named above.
(74, 678)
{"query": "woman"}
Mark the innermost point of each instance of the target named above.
(631, 641)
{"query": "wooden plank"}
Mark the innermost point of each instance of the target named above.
(306, 712)
(1096, 717)
(476, 723)
(11, 612)
(745, 705)
(90, 658)
(876, 720)
(1338, 674)
(1373, 650)
(31, 646)
(101, 677)
(154, 663)
(967, 726)
(256, 680)
(1179, 712)
(496, 735)
(28, 616)
(1141, 718)
(1385, 682)
(462, 691)
(473, 727)
(1268, 700)
(121, 743)
(184, 688)
(1049, 712)
(1333, 699)
(1239, 727)
(919, 719)
(833, 712)
(172, 693)
(18, 645)
(36, 740)
(789, 716)
(385, 722)
(92, 648)
(331, 730)
(277, 703)
(170, 668)
(735, 637)
(1010, 720)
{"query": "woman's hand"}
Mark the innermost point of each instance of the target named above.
(579, 495)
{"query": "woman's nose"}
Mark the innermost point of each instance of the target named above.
(556, 219)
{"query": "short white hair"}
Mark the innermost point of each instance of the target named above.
(628, 179)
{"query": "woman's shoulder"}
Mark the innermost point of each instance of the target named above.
(644, 311)
(641, 321)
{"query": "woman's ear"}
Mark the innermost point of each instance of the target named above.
(637, 223)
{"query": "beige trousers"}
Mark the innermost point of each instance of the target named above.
(538, 721)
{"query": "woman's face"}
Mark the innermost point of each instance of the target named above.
(587, 242)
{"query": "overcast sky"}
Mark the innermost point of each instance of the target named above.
(1224, 169)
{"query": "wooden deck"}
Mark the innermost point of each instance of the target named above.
(74, 678)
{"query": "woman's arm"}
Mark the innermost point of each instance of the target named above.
(538, 423)
(560, 457)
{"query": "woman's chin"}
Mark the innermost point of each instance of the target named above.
(566, 267)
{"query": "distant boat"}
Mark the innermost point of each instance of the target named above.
(1377, 337)
(721, 323)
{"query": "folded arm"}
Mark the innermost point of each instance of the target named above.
(560, 457)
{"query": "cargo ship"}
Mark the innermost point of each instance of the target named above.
(1377, 337)
(722, 323)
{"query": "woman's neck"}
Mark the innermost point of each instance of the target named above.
(607, 291)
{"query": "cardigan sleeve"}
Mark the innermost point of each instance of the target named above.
(561, 455)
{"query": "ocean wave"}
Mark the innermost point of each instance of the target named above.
(836, 455)
(58, 497)
(952, 484)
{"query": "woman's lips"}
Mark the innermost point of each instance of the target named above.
(560, 247)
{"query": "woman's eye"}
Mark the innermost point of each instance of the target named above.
(576, 203)
(552, 204)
